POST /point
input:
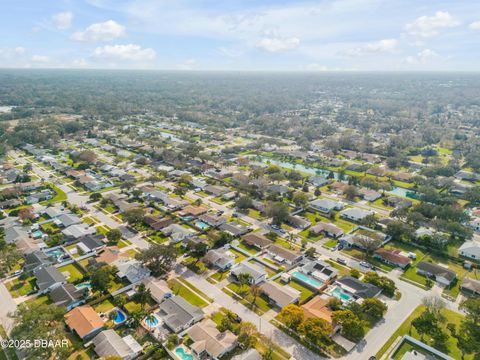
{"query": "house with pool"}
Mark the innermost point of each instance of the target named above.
(210, 343)
(348, 289)
(84, 321)
(314, 274)
(68, 296)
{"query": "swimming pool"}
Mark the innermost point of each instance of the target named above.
(201, 225)
(84, 285)
(151, 322)
(406, 193)
(37, 234)
(180, 352)
(121, 317)
(339, 294)
(307, 280)
(58, 252)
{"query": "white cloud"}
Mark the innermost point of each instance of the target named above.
(188, 64)
(422, 57)
(19, 50)
(105, 31)
(63, 20)
(128, 52)
(275, 44)
(475, 25)
(381, 46)
(429, 26)
(40, 58)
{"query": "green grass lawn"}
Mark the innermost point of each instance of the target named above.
(187, 294)
(261, 303)
(58, 197)
(305, 292)
(123, 243)
(104, 306)
(239, 257)
(405, 328)
(330, 243)
(194, 288)
(342, 270)
(74, 271)
(247, 248)
(219, 276)
(18, 287)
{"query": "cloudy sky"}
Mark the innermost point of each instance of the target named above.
(326, 35)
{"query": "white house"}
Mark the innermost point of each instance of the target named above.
(470, 249)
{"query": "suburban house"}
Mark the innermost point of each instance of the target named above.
(68, 296)
(209, 342)
(109, 344)
(90, 244)
(364, 236)
(177, 232)
(357, 288)
(216, 190)
(178, 314)
(66, 220)
(282, 255)
(77, 231)
(318, 181)
(369, 195)
(317, 308)
(159, 290)
(37, 259)
(158, 223)
(194, 211)
(319, 270)
(234, 229)
(221, 259)
(257, 273)
(474, 224)
(279, 295)
(15, 233)
(299, 222)
(441, 274)
(470, 249)
(84, 321)
(328, 229)
(470, 287)
(393, 257)
(48, 278)
(355, 214)
(258, 241)
(212, 220)
(326, 205)
(132, 270)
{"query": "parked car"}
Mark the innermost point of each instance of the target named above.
(341, 261)
(366, 265)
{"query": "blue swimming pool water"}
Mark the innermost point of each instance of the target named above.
(403, 192)
(182, 354)
(151, 322)
(37, 234)
(307, 280)
(201, 225)
(84, 285)
(55, 252)
(339, 294)
(121, 317)
(187, 218)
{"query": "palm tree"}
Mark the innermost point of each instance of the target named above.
(255, 292)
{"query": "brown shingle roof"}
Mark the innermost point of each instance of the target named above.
(83, 320)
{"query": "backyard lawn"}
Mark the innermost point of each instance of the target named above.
(305, 292)
(75, 273)
(104, 306)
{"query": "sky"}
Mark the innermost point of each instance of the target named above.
(272, 35)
